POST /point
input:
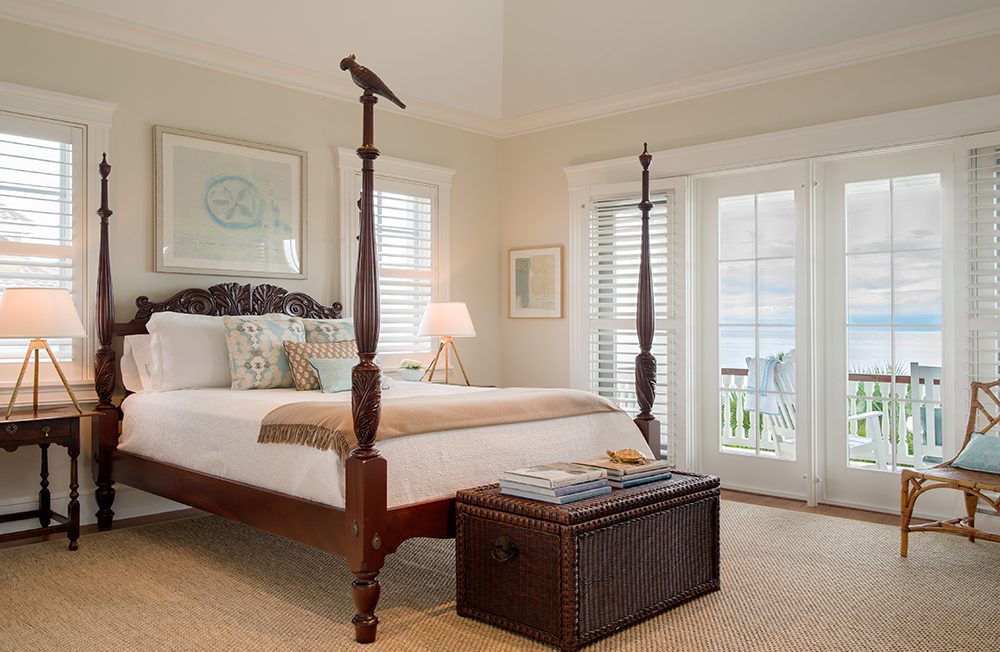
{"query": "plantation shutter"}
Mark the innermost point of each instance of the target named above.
(404, 234)
(40, 193)
(614, 240)
(982, 157)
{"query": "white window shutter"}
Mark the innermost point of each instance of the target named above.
(40, 192)
(405, 221)
(612, 259)
(979, 158)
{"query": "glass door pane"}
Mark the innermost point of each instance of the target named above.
(893, 265)
(756, 325)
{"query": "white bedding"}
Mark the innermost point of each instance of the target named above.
(215, 430)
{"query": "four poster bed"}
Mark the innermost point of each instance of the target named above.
(366, 523)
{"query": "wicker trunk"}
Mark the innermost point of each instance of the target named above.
(570, 574)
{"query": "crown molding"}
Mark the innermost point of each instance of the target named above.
(106, 29)
(72, 20)
(936, 123)
(876, 46)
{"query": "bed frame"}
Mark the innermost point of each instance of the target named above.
(365, 530)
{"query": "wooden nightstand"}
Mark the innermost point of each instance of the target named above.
(54, 426)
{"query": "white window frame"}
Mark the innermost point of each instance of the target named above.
(914, 126)
(94, 118)
(400, 170)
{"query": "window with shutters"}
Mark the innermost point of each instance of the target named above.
(411, 228)
(41, 218)
(609, 238)
(981, 155)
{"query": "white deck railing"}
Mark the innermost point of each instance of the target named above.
(879, 405)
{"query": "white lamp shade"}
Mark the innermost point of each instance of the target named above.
(451, 319)
(39, 313)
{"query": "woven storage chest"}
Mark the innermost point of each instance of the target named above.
(570, 574)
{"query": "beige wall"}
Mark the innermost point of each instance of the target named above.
(153, 90)
(534, 196)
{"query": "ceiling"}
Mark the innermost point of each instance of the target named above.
(510, 66)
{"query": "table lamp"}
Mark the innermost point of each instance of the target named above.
(447, 321)
(38, 314)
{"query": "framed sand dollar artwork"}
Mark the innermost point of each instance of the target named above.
(535, 283)
(228, 207)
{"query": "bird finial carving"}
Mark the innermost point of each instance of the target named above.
(369, 81)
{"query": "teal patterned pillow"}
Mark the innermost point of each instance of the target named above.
(982, 454)
(257, 358)
(329, 330)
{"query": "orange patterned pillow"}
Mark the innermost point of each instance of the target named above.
(299, 353)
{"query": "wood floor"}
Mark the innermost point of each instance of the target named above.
(826, 510)
(727, 494)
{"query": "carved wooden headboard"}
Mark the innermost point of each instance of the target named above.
(230, 299)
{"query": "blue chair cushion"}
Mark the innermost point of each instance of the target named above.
(982, 454)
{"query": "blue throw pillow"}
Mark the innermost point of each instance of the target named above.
(335, 373)
(982, 454)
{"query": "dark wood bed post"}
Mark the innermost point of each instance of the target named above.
(104, 366)
(645, 321)
(366, 469)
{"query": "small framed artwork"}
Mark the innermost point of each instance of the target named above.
(228, 207)
(535, 283)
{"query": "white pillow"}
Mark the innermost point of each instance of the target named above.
(187, 351)
(137, 350)
(130, 373)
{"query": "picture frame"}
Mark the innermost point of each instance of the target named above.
(534, 283)
(228, 207)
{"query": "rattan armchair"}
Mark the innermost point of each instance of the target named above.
(984, 415)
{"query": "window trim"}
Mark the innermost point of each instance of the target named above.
(402, 170)
(94, 118)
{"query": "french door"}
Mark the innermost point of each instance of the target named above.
(824, 329)
(754, 319)
(886, 238)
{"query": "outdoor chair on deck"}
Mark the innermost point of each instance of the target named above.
(778, 381)
(925, 393)
(984, 416)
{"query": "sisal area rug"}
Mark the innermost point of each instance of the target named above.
(791, 581)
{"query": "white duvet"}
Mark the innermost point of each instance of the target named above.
(214, 431)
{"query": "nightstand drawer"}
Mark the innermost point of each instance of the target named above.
(35, 432)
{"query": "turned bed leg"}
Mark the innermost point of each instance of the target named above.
(105, 495)
(365, 591)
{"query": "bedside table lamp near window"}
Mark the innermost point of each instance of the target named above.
(38, 314)
(447, 321)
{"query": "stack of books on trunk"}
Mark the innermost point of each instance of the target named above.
(559, 483)
(622, 476)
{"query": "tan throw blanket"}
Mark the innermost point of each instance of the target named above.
(330, 426)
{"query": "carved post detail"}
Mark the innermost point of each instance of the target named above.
(104, 360)
(645, 322)
(366, 382)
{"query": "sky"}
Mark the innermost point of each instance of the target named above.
(892, 252)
